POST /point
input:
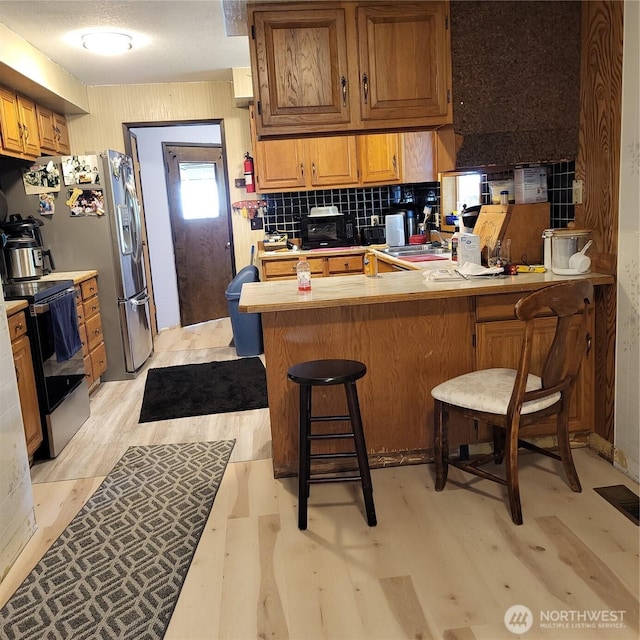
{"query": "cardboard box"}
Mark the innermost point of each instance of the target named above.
(531, 184)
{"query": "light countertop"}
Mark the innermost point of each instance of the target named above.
(341, 291)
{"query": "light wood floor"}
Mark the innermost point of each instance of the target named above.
(438, 565)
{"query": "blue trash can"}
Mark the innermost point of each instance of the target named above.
(247, 327)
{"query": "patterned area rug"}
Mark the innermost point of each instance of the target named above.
(117, 569)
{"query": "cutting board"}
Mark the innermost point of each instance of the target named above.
(491, 221)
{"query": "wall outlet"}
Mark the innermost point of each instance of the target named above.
(577, 192)
(375, 220)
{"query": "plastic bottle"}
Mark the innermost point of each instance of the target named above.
(455, 238)
(303, 271)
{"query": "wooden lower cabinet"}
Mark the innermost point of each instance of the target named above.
(90, 327)
(335, 265)
(498, 344)
(21, 348)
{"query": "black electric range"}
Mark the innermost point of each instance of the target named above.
(35, 290)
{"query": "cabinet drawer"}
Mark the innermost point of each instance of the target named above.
(345, 264)
(499, 307)
(91, 307)
(89, 288)
(98, 361)
(82, 330)
(80, 310)
(94, 332)
(17, 325)
(88, 370)
(284, 268)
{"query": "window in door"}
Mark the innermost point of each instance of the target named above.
(199, 190)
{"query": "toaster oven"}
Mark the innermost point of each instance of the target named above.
(372, 235)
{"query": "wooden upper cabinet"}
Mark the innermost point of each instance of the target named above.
(350, 66)
(61, 131)
(29, 122)
(10, 122)
(405, 66)
(54, 134)
(299, 66)
(333, 161)
(380, 157)
(18, 125)
(301, 164)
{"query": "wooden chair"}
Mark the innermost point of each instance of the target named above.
(511, 399)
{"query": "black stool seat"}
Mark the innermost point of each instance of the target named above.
(322, 373)
(317, 372)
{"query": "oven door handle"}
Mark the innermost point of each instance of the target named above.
(39, 308)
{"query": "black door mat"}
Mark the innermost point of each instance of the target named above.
(623, 499)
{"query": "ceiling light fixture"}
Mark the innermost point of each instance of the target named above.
(107, 43)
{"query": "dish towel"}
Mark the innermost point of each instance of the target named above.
(64, 324)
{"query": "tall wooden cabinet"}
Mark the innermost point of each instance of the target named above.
(21, 348)
(350, 66)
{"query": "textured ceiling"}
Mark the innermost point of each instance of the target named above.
(177, 40)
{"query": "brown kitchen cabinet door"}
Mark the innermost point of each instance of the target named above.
(46, 130)
(29, 121)
(279, 165)
(61, 131)
(380, 158)
(25, 377)
(10, 126)
(300, 70)
(333, 161)
(498, 344)
(405, 62)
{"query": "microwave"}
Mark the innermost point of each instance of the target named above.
(326, 227)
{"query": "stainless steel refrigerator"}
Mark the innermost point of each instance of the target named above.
(102, 233)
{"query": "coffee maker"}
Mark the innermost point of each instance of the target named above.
(23, 253)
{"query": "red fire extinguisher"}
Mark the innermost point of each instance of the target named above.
(248, 173)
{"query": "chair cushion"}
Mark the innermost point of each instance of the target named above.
(490, 390)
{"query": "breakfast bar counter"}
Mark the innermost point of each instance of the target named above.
(412, 334)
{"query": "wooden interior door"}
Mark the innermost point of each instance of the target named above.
(201, 228)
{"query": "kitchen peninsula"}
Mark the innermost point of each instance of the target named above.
(412, 334)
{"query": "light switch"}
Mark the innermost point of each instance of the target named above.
(577, 192)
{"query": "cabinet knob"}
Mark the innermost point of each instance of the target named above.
(343, 83)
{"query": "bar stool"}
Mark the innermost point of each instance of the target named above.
(318, 373)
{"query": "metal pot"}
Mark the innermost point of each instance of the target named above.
(23, 257)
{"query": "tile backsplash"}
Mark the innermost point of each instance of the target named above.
(284, 209)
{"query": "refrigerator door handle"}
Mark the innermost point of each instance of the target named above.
(140, 301)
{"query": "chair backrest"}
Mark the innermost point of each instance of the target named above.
(563, 359)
